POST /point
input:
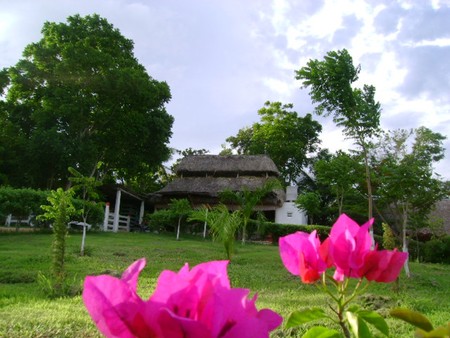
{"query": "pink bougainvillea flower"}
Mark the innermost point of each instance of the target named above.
(191, 303)
(114, 305)
(383, 266)
(349, 244)
(301, 255)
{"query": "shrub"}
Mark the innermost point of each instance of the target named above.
(388, 237)
(437, 250)
(415, 250)
(21, 202)
(162, 220)
(275, 230)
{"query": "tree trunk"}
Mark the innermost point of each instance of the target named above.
(340, 202)
(369, 191)
(404, 240)
(206, 223)
(178, 228)
(244, 230)
(83, 239)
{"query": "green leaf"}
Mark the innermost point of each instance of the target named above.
(440, 332)
(413, 317)
(357, 325)
(353, 308)
(374, 319)
(321, 332)
(301, 317)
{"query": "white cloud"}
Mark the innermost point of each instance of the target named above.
(223, 60)
(283, 89)
(440, 42)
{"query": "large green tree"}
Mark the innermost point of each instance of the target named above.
(284, 136)
(407, 185)
(339, 173)
(316, 198)
(79, 97)
(330, 82)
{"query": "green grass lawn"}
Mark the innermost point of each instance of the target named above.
(26, 312)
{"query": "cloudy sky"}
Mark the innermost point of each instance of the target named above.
(224, 59)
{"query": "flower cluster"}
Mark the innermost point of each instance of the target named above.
(197, 302)
(348, 249)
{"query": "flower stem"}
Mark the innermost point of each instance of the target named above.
(343, 326)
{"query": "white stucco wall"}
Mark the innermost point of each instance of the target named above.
(290, 214)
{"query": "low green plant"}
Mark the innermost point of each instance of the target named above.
(247, 200)
(276, 230)
(59, 209)
(388, 237)
(223, 225)
(162, 220)
(86, 188)
(181, 208)
(45, 284)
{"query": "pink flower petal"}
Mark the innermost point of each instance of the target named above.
(114, 307)
(300, 255)
(389, 266)
(131, 274)
(324, 253)
(168, 283)
(271, 318)
(251, 327)
(191, 303)
(344, 223)
(290, 247)
(173, 326)
(348, 246)
(217, 270)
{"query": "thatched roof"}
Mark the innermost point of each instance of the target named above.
(231, 165)
(211, 186)
(202, 178)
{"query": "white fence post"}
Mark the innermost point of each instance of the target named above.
(117, 211)
(106, 217)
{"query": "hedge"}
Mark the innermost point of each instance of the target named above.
(437, 250)
(26, 201)
(273, 231)
(21, 202)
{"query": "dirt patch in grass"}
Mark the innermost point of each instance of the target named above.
(20, 229)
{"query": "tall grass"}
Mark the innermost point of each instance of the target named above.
(26, 312)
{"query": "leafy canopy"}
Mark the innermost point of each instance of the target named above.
(331, 86)
(79, 96)
(284, 136)
(407, 185)
(354, 109)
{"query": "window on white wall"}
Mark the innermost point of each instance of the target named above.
(289, 214)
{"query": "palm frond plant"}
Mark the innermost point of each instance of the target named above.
(247, 200)
(223, 225)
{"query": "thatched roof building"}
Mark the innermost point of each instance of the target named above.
(201, 178)
(227, 166)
